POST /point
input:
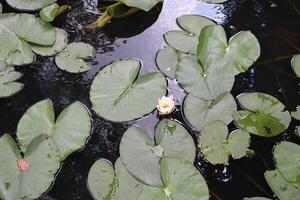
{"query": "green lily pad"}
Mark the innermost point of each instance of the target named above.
(59, 45)
(29, 28)
(296, 114)
(199, 112)
(282, 189)
(286, 155)
(12, 49)
(204, 83)
(29, 4)
(145, 5)
(181, 181)
(296, 65)
(167, 60)
(172, 140)
(217, 147)
(117, 93)
(71, 59)
(48, 13)
(238, 55)
(265, 115)
(70, 131)
(194, 23)
(8, 86)
(182, 41)
(105, 182)
(43, 159)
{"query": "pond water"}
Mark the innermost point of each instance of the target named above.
(141, 36)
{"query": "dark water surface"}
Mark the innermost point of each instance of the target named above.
(141, 36)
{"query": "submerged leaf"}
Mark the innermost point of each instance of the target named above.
(71, 59)
(296, 65)
(49, 13)
(217, 146)
(172, 140)
(29, 4)
(8, 86)
(117, 93)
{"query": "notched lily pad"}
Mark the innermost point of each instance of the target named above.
(172, 140)
(199, 112)
(265, 115)
(296, 64)
(27, 177)
(117, 93)
(286, 155)
(8, 84)
(106, 182)
(71, 58)
(70, 130)
(29, 4)
(217, 146)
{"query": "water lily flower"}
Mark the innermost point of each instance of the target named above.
(165, 105)
(23, 165)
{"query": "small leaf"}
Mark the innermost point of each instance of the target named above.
(48, 13)
(296, 114)
(296, 65)
(182, 41)
(8, 86)
(194, 23)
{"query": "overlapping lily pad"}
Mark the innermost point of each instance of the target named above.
(145, 5)
(141, 155)
(43, 158)
(59, 45)
(194, 24)
(8, 84)
(203, 82)
(29, 4)
(48, 13)
(105, 182)
(296, 65)
(70, 130)
(282, 189)
(286, 155)
(71, 58)
(117, 93)
(181, 181)
(217, 146)
(238, 55)
(265, 115)
(296, 114)
(199, 112)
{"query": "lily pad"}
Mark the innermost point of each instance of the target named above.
(29, 4)
(117, 93)
(265, 115)
(172, 140)
(8, 86)
(29, 28)
(181, 181)
(217, 146)
(59, 45)
(43, 160)
(70, 131)
(167, 60)
(71, 59)
(13, 50)
(105, 182)
(296, 114)
(182, 41)
(194, 23)
(199, 112)
(48, 13)
(296, 65)
(238, 55)
(282, 189)
(145, 5)
(204, 83)
(286, 155)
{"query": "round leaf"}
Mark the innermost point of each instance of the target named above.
(282, 189)
(204, 83)
(8, 86)
(29, 4)
(286, 155)
(48, 13)
(194, 23)
(59, 45)
(238, 55)
(71, 59)
(182, 41)
(118, 95)
(29, 28)
(238, 143)
(199, 112)
(296, 65)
